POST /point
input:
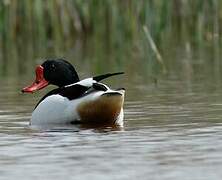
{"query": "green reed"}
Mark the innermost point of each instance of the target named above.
(39, 28)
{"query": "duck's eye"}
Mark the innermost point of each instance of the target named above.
(53, 67)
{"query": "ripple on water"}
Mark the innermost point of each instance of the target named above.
(166, 136)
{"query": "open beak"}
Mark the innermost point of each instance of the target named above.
(39, 82)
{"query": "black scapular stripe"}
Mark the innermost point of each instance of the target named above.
(70, 92)
(99, 87)
(104, 76)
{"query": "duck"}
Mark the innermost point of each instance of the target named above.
(74, 101)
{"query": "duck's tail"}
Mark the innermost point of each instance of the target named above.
(104, 76)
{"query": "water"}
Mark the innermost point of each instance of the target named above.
(173, 130)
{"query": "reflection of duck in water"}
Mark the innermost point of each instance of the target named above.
(74, 101)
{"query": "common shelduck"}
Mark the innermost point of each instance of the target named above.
(74, 101)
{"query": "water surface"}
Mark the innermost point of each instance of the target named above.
(172, 130)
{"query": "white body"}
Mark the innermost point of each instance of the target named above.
(56, 109)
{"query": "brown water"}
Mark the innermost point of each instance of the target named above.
(173, 130)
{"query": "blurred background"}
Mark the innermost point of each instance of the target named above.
(99, 36)
(170, 51)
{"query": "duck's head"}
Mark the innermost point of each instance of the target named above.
(53, 71)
